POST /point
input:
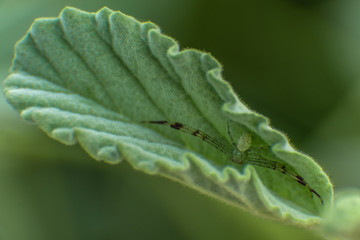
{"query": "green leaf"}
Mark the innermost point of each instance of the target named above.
(343, 220)
(91, 78)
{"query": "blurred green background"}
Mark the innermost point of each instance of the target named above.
(295, 61)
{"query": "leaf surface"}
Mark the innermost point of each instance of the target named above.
(91, 78)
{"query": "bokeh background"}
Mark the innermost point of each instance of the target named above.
(295, 61)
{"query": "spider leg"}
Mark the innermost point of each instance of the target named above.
(257, 161)
(229, 133)
(195, 132)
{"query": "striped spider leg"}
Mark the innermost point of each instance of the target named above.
(240, 152)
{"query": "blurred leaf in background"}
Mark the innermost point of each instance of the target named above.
(294, 61)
